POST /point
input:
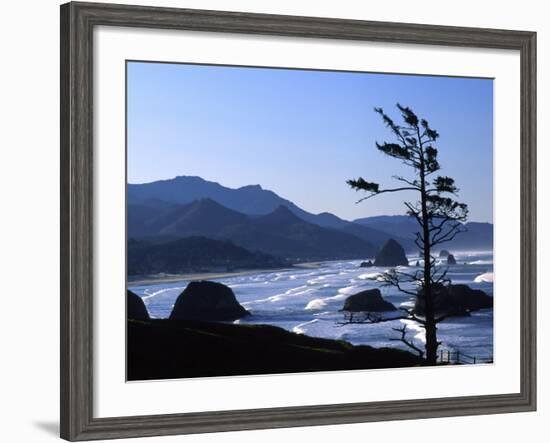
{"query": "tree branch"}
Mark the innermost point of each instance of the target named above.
(390, 278)
(412, 316)
(366, 317)
(447, 237)
(403, 339)
(383, 191)
(414, 184)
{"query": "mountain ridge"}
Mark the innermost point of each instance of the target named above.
(163, 196)
(250, 200)
(280, 233)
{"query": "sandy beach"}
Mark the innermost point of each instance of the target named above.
(170, 278)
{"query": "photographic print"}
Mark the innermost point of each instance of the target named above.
(286, 220)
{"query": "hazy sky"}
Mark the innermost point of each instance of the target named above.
(302, 134)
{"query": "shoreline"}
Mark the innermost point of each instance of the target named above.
(173, 278)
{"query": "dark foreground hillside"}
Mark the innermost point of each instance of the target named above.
(163, 349)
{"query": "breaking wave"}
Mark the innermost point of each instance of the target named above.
(487, 277)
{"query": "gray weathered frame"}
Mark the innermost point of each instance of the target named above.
(77, 24)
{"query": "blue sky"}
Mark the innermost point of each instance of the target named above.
(302, 134)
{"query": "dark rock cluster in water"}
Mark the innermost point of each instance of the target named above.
(366, 264)
(208, 301)
(201, 300)
(367, 301)
(135, 307)
(454, 300)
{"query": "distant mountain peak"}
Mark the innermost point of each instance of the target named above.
(188, 178)
(208, 206)
(251, 188)
(281, 214)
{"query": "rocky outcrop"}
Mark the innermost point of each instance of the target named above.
(207, 301)
(391, 254)
(367, 301)
(366, 264)
(135, 308)
(451, 259)
(455, 300)
(444, 253)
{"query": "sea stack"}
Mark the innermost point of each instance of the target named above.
(444, 253)
(135, 307)
(391, 254)
(367, 301)
(451, 259)
(207, 301)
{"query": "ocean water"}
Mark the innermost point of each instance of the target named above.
(308, 300)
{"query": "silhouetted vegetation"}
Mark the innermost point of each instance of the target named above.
(438, 215)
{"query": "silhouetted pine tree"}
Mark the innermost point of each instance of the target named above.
(439, 216)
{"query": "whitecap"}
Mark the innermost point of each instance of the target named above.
(370, 276)
(481, 262)
(487, 277)
(290, 293)
(316, 304)
(300, 328)
(297, 291)
(347, 290)
(316, 280)
(150, 294)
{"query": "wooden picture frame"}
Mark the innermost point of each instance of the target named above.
(77, 23)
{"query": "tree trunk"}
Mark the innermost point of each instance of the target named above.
(430, 326)
(431, 344)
